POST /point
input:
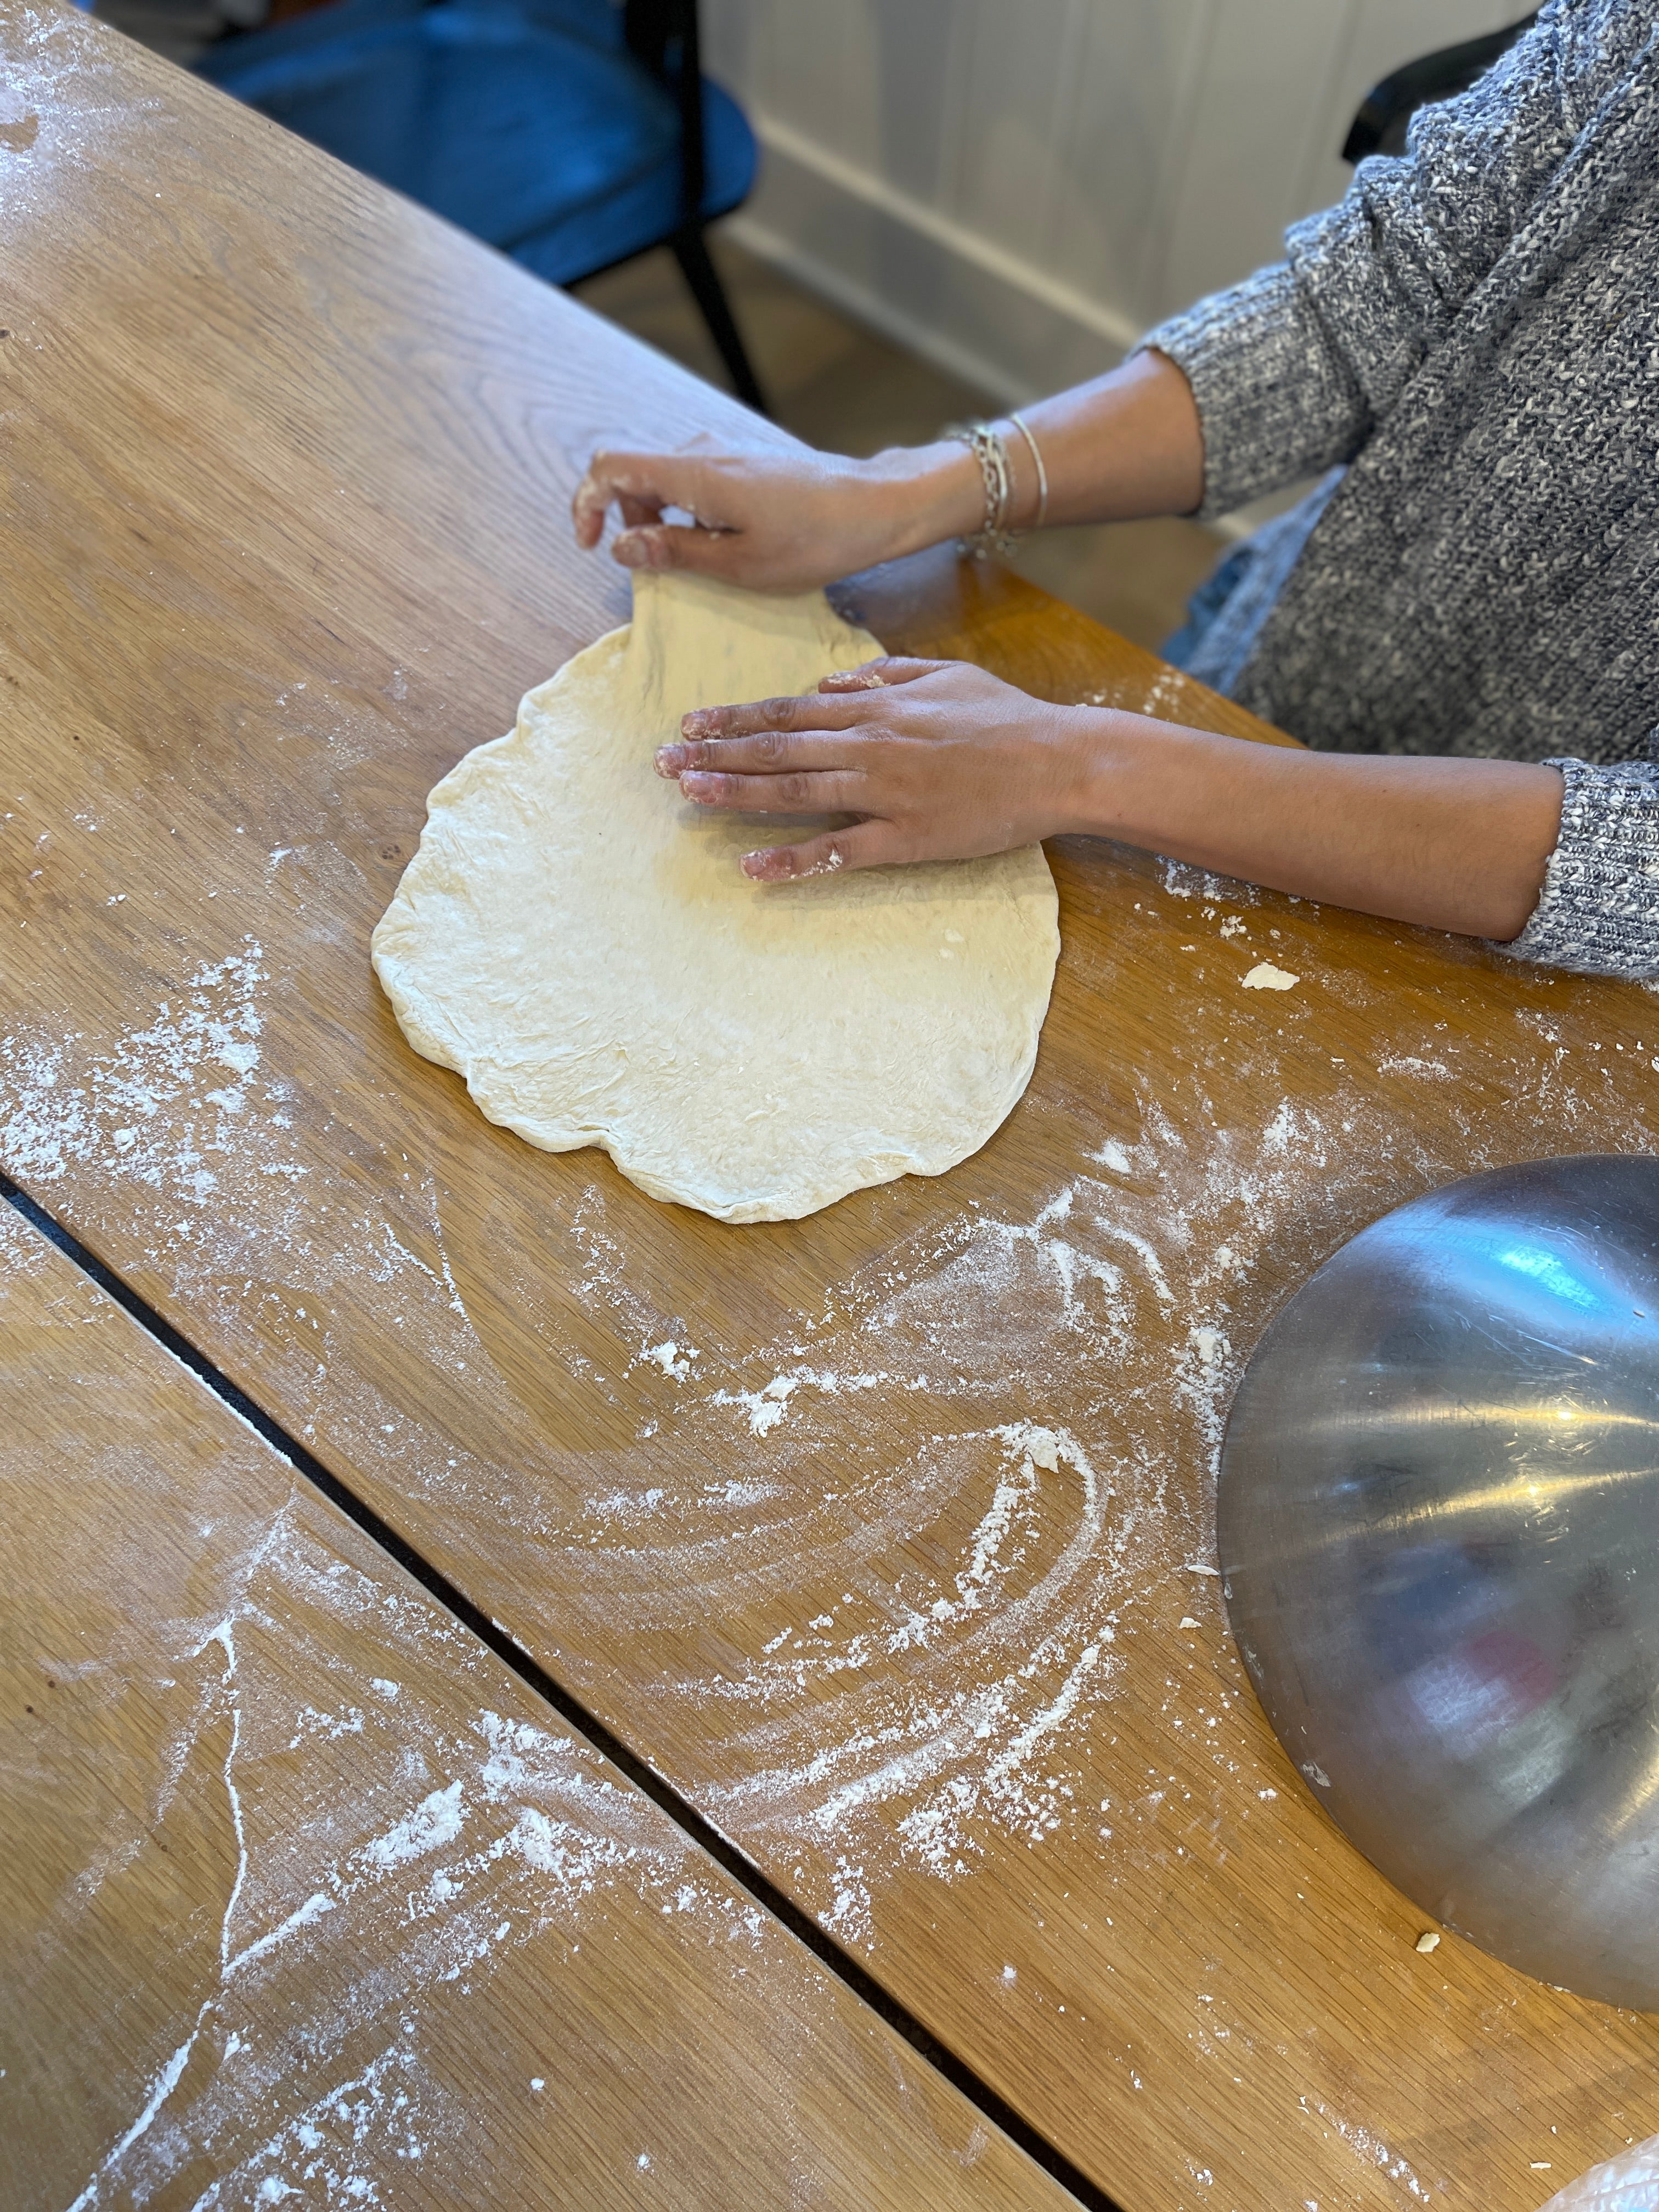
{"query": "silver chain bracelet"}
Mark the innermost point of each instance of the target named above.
(987, 443)
(990, 449)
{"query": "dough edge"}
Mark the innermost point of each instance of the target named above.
(430, 1035)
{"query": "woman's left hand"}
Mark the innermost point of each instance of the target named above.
(935, 759)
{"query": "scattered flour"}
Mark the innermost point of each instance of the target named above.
(1436, 1071)
(197, 1058)
(969, 1484)
(929, 1520)
(1372, 2151)
(342, 1927)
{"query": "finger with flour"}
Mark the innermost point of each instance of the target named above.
(774, 734)
(877, 675)
(866, 845)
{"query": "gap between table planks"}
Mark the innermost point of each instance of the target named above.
(307, 1897)
(873, 1533)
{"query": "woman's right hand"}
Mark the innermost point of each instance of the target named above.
(775, 520)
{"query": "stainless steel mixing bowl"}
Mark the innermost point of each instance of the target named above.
(1439, 1535)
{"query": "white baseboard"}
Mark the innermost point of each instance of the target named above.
(866, 306)
(958, 300)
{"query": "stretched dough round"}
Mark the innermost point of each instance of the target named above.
(580, 943)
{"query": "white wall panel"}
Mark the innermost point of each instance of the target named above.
(921, 72)
(1120, 150)
(1019, 187)
(1254, 123)
(1013, 97)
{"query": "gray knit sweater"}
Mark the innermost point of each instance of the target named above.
(1474, 332)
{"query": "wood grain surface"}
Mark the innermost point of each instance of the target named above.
(884, 1535)
(307, 1897)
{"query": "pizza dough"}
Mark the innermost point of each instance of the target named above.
(580, 943)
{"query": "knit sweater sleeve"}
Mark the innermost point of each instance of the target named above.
(1292, 369)
(1599, 908)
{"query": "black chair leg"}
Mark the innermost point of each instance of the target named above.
(691, 252)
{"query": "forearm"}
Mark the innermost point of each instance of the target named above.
(782, 520)
(1457, 845)
(940, 760)
(1126, 445)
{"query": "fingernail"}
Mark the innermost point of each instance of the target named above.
(670, 760)
(698, 722)
(754, 863)
(628, 550)
(697, 787)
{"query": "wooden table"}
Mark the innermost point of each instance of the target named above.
(873, 1533)
(306, 1898)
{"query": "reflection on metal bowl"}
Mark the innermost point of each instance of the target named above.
(1439, 1532)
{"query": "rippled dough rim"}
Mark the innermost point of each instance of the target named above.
(578, 942)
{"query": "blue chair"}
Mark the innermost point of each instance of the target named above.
(572, 134)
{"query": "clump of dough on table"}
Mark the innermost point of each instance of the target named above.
(579, 942)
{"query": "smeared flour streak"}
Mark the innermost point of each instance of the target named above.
(344, 1923)
(964, 1494)
(1368, 2147)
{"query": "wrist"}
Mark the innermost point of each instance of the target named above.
(1138, 780)
(1103, 752)
(927, 493)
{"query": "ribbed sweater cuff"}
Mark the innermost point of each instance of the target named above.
(1275, 402)
(1599, 909)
